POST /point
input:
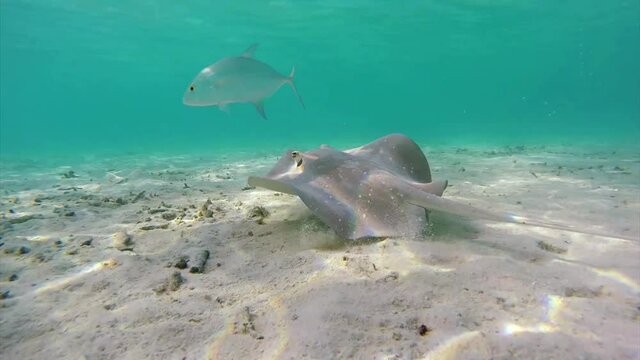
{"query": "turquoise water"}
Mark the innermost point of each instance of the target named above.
(82, 77)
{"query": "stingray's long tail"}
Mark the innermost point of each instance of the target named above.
(434, 202)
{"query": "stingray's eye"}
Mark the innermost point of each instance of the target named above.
(191, 88)
(297, 158)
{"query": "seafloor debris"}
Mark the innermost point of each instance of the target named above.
(204, 211)
(171, 284)
(551, 248)
(115, 179)
(20, 250)
(182, 262)
(158, 210)
(154, 227)
(69, 175)
(583, 292)
(169, 216)
(199, 262)
(258, 213)
(246, 325)
(23, 218)
(139, 196)
(122, 241)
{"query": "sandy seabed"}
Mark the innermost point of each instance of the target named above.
(91, 258)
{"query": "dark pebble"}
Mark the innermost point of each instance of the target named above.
(175, 280)
(5, 294)
(70, 213)
(22, 250)
(181, 264)
(423, 330)
(87, 242)
(13, 277)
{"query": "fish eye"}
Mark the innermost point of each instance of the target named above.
(294, 154)
(191, 88)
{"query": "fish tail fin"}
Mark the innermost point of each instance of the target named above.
(293, 86)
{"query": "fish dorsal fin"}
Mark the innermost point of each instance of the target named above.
(249, 52)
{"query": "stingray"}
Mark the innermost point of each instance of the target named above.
(381, 189)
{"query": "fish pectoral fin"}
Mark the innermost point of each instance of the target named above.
(249, 52)
(260, 107)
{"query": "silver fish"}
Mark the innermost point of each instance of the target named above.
(237, 79)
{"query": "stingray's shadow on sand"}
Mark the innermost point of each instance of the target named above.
(442, 228)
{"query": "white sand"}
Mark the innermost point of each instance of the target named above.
(292, 290)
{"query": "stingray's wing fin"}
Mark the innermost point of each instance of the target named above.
(349, 215)
(271, 184)
(434, 187)
(431, 201)
(397, 153)
(333, 212)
